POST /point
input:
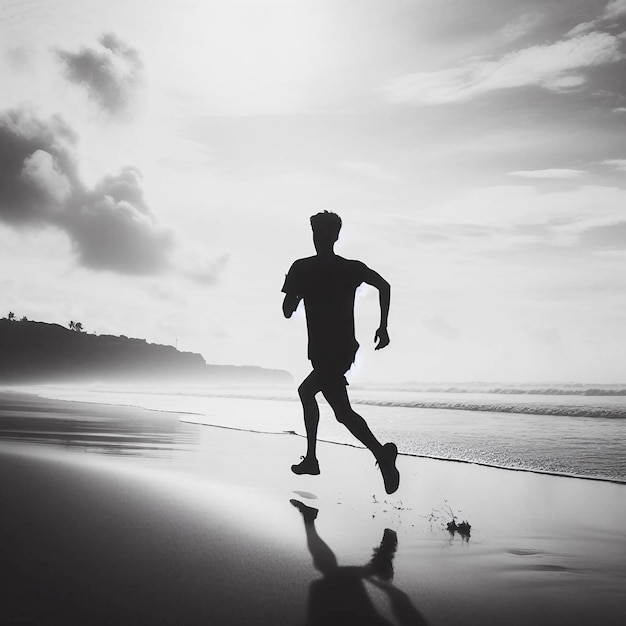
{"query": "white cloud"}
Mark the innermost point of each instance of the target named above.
(615, 8)
(582, 29)
(193, 264)
(556, 67)
(618, 164)
(558, 173)
(517, 28)
(42, 172)
(480, 213)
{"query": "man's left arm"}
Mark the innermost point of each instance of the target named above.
(384, 298)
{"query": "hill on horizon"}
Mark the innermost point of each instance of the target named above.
(43, 352)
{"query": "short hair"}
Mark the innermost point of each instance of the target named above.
(326, 223)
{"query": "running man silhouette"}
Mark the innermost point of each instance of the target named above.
(327, 283)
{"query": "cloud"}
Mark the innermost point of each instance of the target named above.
(615, 8)
(195, 266)
(520, 26)
(112, 74)
(111, 227)
(583, 29)
(36, 168)
(618, 164)
(608, 237)
(558, 173)
(606, 20)
(508, 219)
(556, 67)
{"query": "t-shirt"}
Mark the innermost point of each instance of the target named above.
(327, 284)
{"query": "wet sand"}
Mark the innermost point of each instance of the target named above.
(119, 515)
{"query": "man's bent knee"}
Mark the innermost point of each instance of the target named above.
(307, 391)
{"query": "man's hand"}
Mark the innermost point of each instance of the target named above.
(382, 337)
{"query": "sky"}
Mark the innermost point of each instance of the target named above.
(159, 162)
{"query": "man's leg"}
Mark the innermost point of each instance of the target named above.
(336, 395)
(307, 392)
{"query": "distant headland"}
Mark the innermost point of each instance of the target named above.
(39, 352)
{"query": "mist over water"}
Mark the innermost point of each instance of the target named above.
(575, 435)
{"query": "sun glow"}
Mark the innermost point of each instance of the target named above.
(251, 58)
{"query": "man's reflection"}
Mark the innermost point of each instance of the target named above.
(340, 597)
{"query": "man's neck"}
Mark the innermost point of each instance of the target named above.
(326, 254)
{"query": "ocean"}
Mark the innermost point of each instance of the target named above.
(570, 430)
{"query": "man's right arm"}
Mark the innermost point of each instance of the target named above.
(292, 287)
(290, 304)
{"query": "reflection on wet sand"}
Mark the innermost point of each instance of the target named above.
(102, 429)
(340, 596)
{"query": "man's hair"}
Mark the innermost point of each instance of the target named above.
(326, 223)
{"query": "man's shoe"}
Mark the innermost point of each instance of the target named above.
(387, 464)
(306, 466)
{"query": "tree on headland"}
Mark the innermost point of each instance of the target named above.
(78, 327)
(72, 325)
(11, 316)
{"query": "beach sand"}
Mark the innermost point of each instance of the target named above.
(117, 515)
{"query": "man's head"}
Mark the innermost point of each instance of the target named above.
(326, 227)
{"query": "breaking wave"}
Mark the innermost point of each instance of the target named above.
(517, 407)
(534, 408)
(563, 389)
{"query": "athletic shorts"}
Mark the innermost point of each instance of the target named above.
(332, 369)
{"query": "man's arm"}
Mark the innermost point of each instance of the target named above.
(292, 287)
(384, 297)
(290, 304)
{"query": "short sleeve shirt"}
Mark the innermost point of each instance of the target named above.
(328, 286)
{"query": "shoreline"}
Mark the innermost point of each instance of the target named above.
(202, 418)
(149, 520)
(614, 481)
